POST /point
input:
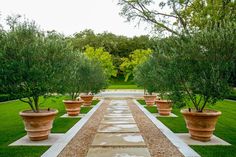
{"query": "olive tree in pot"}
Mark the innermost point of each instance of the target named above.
(31, 64)
(92, 79)
(72, 84)
(197, 69)
(150, 74)
(143, 77)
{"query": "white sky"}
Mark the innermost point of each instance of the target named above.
(70, 16)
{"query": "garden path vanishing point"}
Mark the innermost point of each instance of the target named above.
(120, 128)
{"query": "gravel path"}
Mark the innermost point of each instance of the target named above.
(79, 145)
(157, 143)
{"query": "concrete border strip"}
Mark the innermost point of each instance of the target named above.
(176, 141)
(56, 148)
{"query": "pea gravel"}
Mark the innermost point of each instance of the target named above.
(79, 145)
(156, 141)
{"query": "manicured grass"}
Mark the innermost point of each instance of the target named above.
(119, 83)
(114, 86)
(232, 95)
(12, 127)
(225, 129)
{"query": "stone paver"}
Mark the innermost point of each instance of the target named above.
(118, 152)
(118, 114)
(25, 141)
(118, 139)
(214, 140)
(158, 115)
(118, 122)
(67, 116)
(118, 128)
(118, 135)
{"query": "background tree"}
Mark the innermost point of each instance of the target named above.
(202, 14)
(164, 16)
(135, 58)
(102, 57)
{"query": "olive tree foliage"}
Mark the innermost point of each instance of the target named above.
(196, 68)
(144, 77)
(164, 16)
(135, 58)
(91, 76)
(103, 58)
(83, 75)
(31, 61)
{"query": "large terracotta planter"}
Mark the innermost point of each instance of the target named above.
(87, 99)
(164, 107)
(150, 99)
(73, 107)
(201, 124)
(38, 125)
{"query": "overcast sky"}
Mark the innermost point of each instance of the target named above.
(70, 16)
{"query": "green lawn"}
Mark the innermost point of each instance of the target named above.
(12, 126)
(225, 129)
(119, 83)
(123, 86)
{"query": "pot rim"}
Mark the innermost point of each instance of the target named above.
(38, 114)
(150, 95)
(73, 101)
(86, 96)
(169, 101)
(194, 113)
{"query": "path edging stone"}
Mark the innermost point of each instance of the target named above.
(176, 141)
(56, 148)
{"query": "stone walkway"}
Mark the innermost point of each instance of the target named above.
(118, 134)
(120, 128)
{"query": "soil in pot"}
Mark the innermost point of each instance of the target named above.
(164, 107)
(73, 107)
(201, 125)
(38, 125)
(150, 99)
(87, 99)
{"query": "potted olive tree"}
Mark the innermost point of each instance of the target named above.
(150, 74)
(143, 77)
(31, 64)
(72, 84)
(197, 70)
(92, 79)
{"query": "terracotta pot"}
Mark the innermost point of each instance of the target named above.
(164, 107)
(73, 107)
(150, 99)
(87, 99)
(201, 124)
(38, 125)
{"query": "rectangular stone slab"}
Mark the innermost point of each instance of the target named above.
(25, 141)
(214, 140)
(122, 121)
(118, 152)
(118, 115)
(117, 109)
(118, 139)
(119, 112)
(118, 128)
(118, 118)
